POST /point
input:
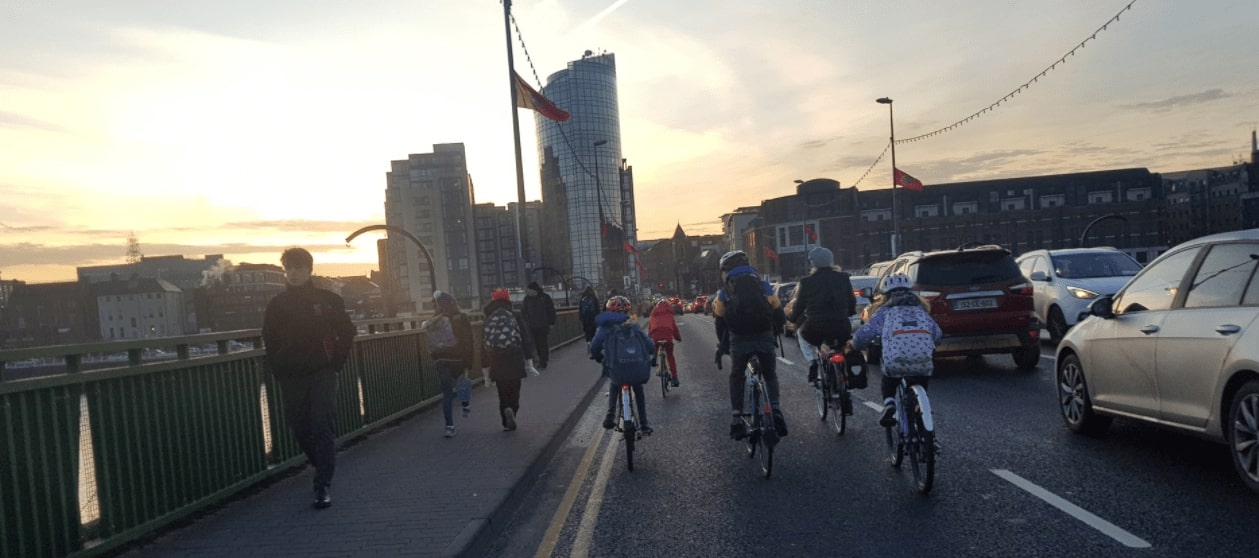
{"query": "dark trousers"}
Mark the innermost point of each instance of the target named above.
(640, 400)
(589, 330)
(890, 383)
(541, 345)
(310, 404)
(508, 396)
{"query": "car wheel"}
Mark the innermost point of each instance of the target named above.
(1027, 357)
(1073, 399)
(1057, 325)
(1243, 433)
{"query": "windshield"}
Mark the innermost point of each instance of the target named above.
(1097, 264)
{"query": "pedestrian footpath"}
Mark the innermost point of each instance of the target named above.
(407, 490)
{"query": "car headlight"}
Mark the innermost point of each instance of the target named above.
(1081, 293)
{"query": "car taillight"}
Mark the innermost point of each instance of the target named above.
(1021, 289)
(856, 293)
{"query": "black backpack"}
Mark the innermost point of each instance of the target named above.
(747, 306)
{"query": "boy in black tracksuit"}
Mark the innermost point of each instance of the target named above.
(308, 338)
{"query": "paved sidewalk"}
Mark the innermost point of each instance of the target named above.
(407, 491)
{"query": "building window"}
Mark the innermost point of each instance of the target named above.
(1100, 197)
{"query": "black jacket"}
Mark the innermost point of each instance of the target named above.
(538, 310)
(824, 296)
(306, 330)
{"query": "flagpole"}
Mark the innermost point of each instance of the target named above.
(896, 230)
(522, 243)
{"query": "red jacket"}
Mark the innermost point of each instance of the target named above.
(662, 326)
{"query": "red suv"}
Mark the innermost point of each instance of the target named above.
(980, 299)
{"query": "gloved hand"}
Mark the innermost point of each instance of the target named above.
(717, 358)
(597, 358)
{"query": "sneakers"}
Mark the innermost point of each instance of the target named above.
(466, 409)
(812, 372)
(609, 422)
(509, 420)
(673, 382)
(450, 432)
(888, 419)
(780, 424)
(738, 429)
(645, 429)
(323, 498)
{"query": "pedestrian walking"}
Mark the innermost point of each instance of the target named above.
(308, 339)
(587, 308)
(449, 338)
(507, 344)
(539, 313)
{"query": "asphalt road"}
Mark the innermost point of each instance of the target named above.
(1011, 479)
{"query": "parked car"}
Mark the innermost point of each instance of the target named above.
(979, 298)
(1064, 282)
(1177, 346)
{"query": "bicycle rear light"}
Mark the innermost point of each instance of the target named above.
(837, 359)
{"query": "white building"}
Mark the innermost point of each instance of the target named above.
(139, 308)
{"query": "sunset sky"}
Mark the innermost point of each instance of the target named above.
(244, 127)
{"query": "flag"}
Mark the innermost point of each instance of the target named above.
(905, 181)
(770, 253)
(639, 263)
(630, 248)
(808, 231)
(527, 97)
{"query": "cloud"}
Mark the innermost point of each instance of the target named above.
(15, 120)
(75, 255)
(1179, 101)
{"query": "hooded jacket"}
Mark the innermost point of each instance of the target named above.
(608, 321)
(462, 328)
(306, 330)
(662, 326)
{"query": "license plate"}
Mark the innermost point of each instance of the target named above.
(974, 303)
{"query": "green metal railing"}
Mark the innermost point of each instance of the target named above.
(107, 449)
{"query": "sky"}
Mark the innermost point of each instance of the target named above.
(245, 127)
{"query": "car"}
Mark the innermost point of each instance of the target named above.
(979, 298)
(1177, 346)
(1064, 282)
(859, 284)
(784, 291)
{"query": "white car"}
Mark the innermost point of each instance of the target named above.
(1065, 282)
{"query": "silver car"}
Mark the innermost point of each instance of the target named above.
(1177, 346)
(1065, 282)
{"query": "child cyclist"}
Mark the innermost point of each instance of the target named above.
(610, 322)
(909, 337)
(663, 330)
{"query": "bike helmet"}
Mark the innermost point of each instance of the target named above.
(896, 281)
(733, 259)
(618, 304)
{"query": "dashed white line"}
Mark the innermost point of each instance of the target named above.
(1107, 528)
(874, 406)
(785, 361)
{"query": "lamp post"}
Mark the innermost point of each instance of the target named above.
(896, 230)
(603, 248)
(1085, 234)
(432, 271)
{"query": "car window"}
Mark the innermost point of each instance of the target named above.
(1252, 291)
(1223, 275)
(1155, 289)
(967, 268)
(1041, 266)
(1025, 265)
(1095, 264)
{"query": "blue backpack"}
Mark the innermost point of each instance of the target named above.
(627, 355)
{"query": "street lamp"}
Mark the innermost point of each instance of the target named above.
(896, 230)
(603, 252)
(432, 271)
(1085, 234)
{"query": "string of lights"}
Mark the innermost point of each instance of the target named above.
(608, 215)
(876, 161)
(1026, 85)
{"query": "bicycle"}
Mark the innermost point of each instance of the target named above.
(759, 422)
(627, 423)
(914, 434)
(662, 358)
(831, 390)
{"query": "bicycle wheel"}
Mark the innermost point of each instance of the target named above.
(767, 457)
(894, 445)
(823, 394)
(838, 419)
(664, 381)
(921, 455)
(630, 433)
(629, 426)
(752, 422)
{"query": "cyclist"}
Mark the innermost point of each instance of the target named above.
(663, 330)
(909, 339)
(823, 302)
(747, 315)
(616, 312)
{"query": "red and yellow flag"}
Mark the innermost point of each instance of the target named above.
(527, 97)
(905, 181)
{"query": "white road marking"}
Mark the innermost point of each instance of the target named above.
(590, 513)
(874, 406)
(785, 361)
(1107, 528)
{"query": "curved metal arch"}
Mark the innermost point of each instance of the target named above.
(432, 270)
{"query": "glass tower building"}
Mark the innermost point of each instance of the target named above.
(587, 214)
